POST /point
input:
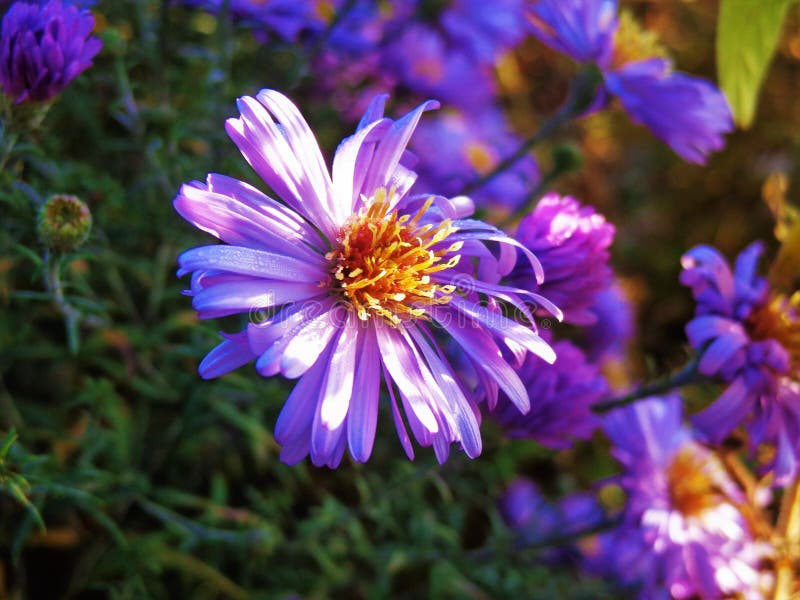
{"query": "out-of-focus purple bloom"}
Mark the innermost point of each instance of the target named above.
(564, 393)
(43, 48)
(355, 275)
(455, 149)
(539, 521)
(572, 242)
(447, 53)
(582, 29)
(749, 337)
(433, 69)
(608, 337)
(484, 30)
(689, 114)
(285, 18)
(682, 528)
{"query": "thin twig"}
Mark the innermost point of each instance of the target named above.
(580, 98)
(688, 374)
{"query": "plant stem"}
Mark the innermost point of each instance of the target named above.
(554, 540)
(789, 528)
(71, 315)
(688, 374)
(581, 96)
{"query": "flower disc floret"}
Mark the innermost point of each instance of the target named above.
(384, 262)
(691, 489)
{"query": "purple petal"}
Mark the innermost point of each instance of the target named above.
(399, 362)
(249, 294)
(389, 151)
(231, 354)
(249, 261)
(363, 418)
(726, 412)
(339, 387)
(480, 346)
(402, 432)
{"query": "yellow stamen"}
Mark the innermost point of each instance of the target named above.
(384, 262)
(779, 319)
(633, 44)
(691, 487)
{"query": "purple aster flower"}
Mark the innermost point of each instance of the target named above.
(484, 30)
(564, 393)
(608, 337)
(434, 69)
(572, 242)
(43, 48)
(455, 149)
(683, 530)
(539, 521)
(358, 279)
(689, 114)
(285, 18)
(456, 45)
(749, 337)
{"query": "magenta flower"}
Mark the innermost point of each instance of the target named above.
(683, 530)
(43, 48)
(564, 393)
(687, 113)
(749, 337)
(358, 280)
(572, 242)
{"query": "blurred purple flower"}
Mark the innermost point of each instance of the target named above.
(749, 337)
(434, 69)
(683, 530)
(608, 337)
(564, 393)
(43, 48)
(352, 273)
(688, 113)
(285, 18)
(582, 29)
(539, 521)
(572, 242)
(455, 149)
(444, 50)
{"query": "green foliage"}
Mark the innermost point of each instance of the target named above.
(124, 475)
(747, 35)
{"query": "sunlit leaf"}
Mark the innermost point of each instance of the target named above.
(747, 34)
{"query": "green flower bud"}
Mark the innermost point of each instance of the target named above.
(64, 223)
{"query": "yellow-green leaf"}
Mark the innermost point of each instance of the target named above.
(747, 34)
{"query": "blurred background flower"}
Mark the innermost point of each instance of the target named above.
(43, 48)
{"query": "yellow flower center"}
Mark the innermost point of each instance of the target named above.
(779, 320)
(691, 488)
(479, 156)
(632, 43)
(384, 262)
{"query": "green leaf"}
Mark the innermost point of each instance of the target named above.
(6, 444)
(747, 34)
